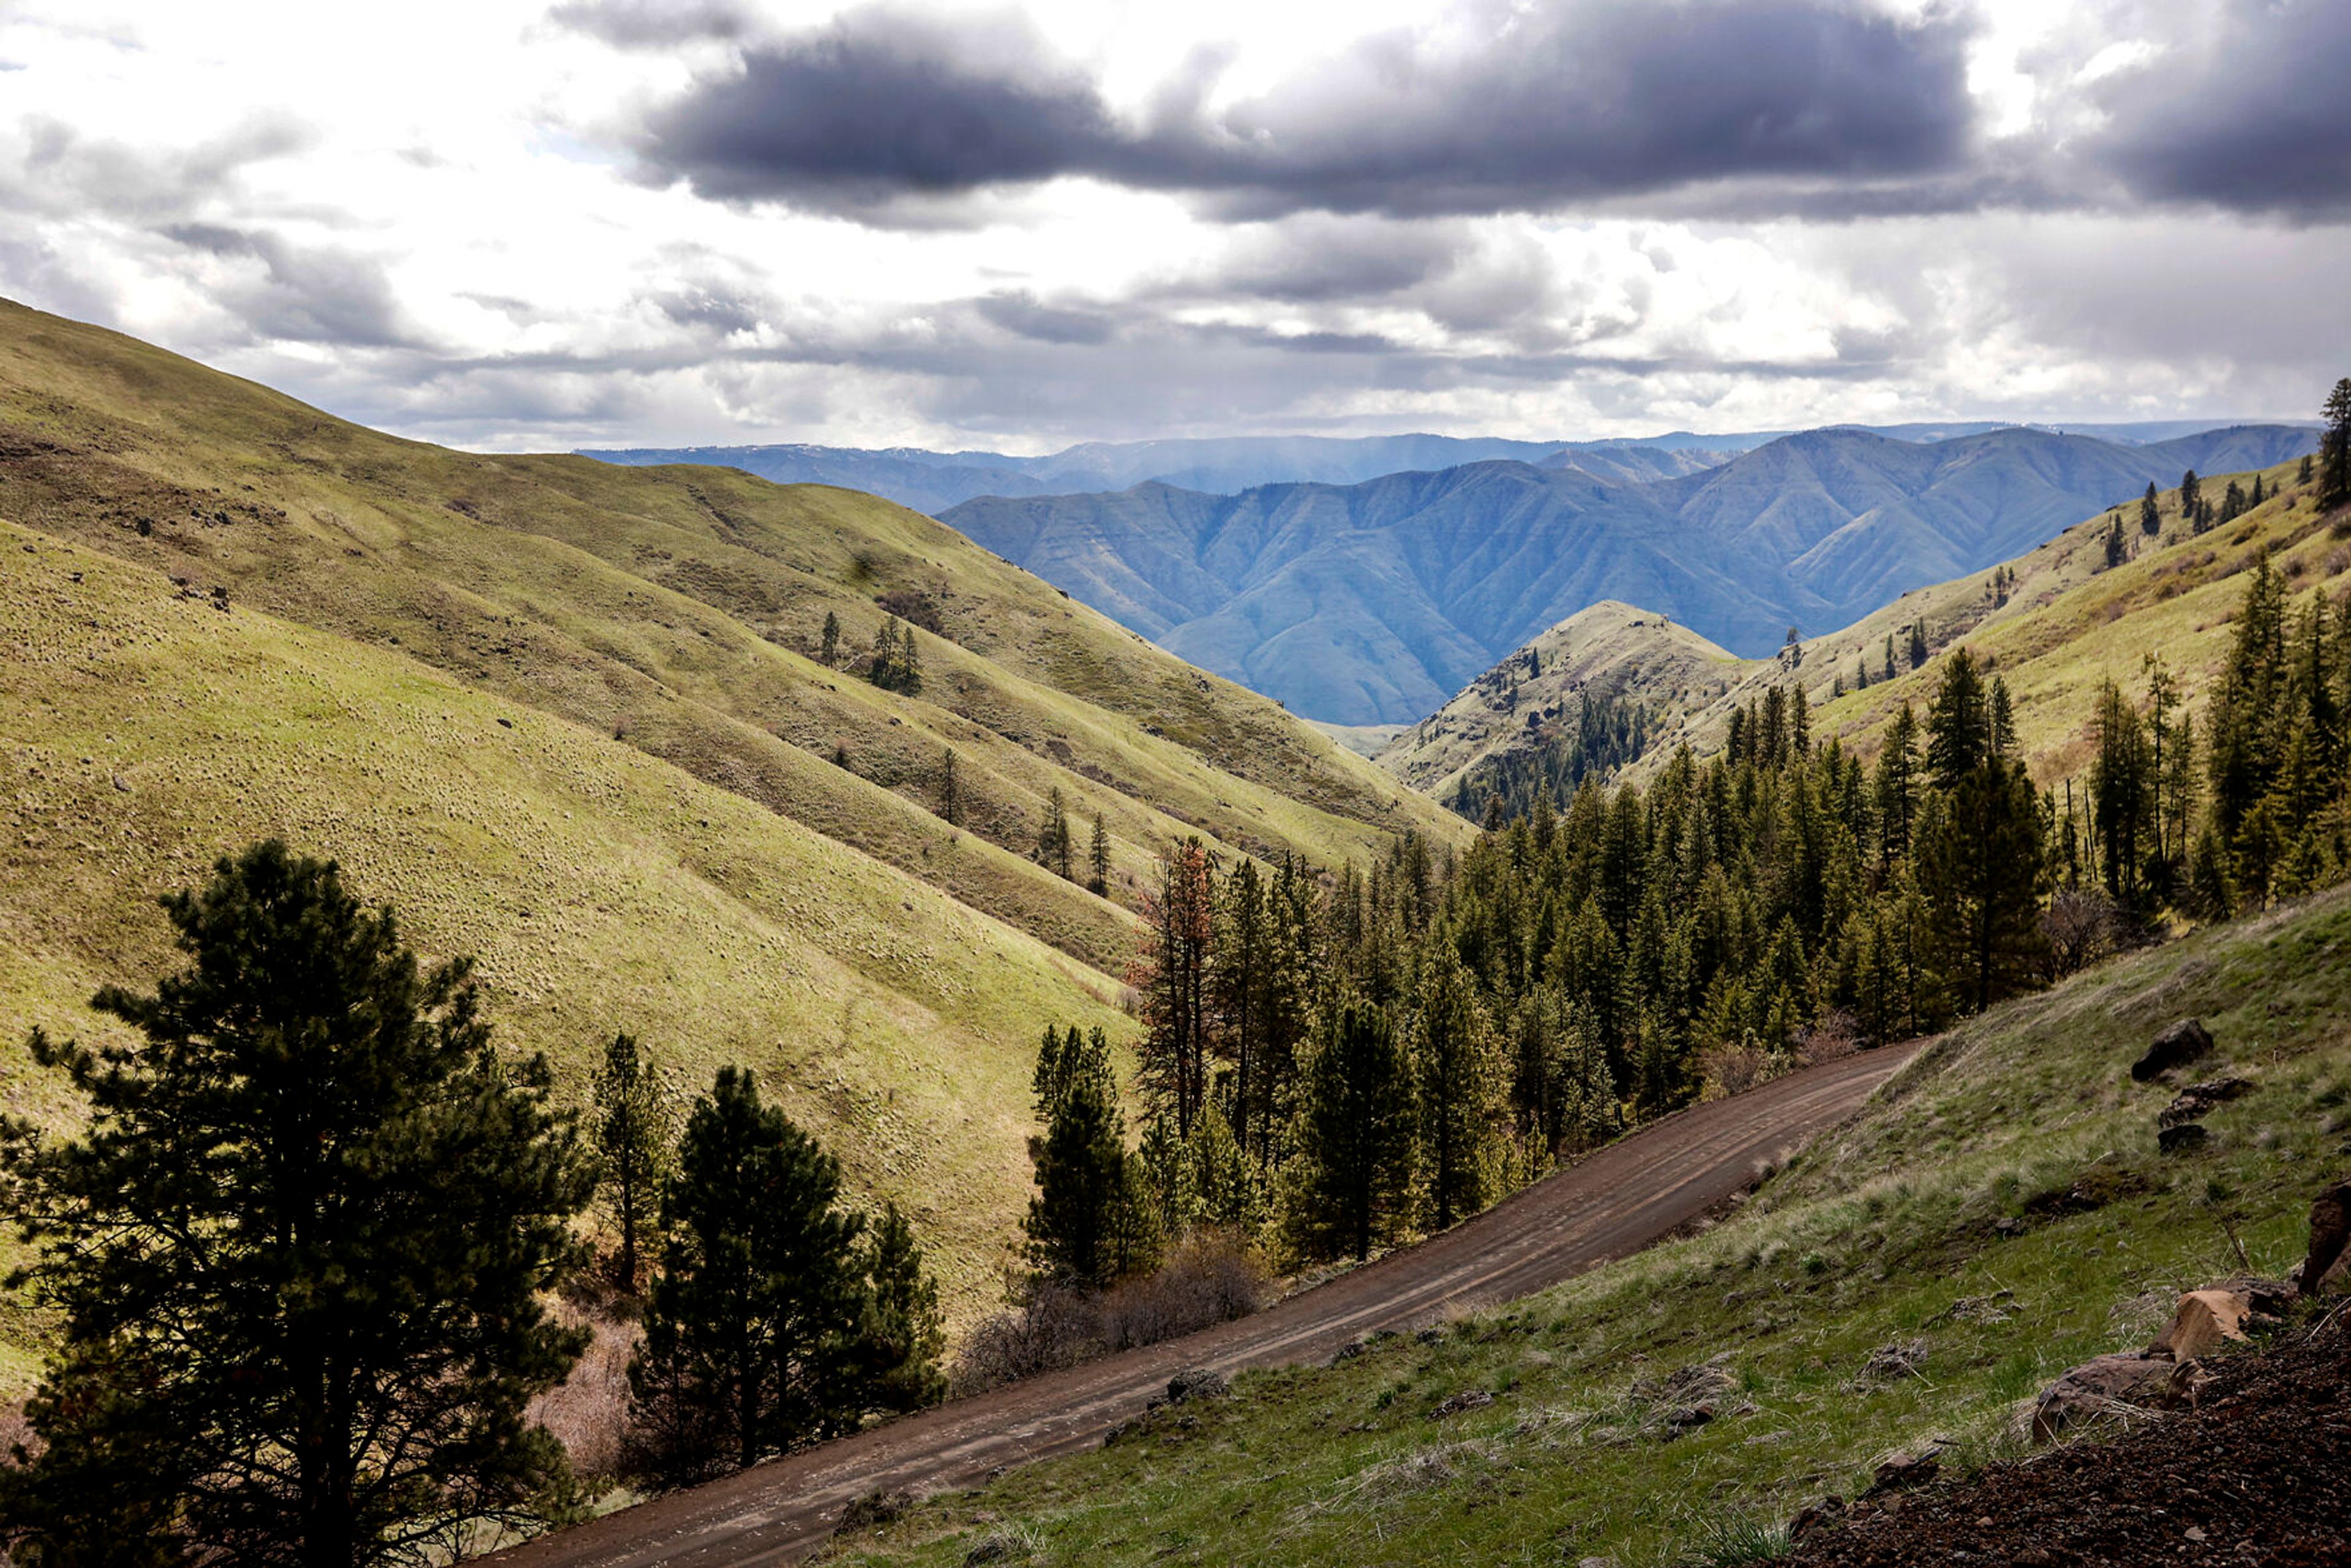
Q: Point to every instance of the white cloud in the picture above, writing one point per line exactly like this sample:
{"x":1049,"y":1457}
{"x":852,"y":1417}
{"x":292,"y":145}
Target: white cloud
{"x":426,"y":217}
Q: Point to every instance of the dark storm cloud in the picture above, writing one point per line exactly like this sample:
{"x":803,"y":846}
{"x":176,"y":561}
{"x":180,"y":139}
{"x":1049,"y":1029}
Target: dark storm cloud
{"x":1571,"y":102}
{"x":651,"y":24}
{"x":2259,"y":122}
{"x":297,"y":293}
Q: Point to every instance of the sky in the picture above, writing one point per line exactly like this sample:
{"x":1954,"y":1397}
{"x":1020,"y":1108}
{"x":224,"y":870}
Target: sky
{"x":514,"y":224}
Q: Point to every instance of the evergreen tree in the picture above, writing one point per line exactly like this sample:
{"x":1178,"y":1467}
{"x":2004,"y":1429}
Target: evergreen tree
{"x":1918,"y":653}
{"x":1053,"y":840}
{"x":950,"y":791}
{"x":1170,"y":979}
{"x":1959,"y":734}
{"x":828,"y":648}
{"x":1890,"y":656}
{"x":2334,"y":449}
{"x":1082,"y":1225}
{"x":2191,"y":494}
{"x":2116,"y":552}
{"x":2150,"y":515}
{"x":1355,"y":1135}
{"x":1098,"y":861}
{"x":2122,"y":789}
{"x":299,"y":1255}
{"x":1981,"y":849}
{"x":635,"y":1123}
{"x":1458,"y":1093}
{"x":1896,"y":788}
{"x":751,"y":1343}
{"x":901,"y":1337}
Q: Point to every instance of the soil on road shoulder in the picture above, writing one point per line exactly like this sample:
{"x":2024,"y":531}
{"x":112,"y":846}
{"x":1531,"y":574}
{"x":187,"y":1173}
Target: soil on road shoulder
{"x":1635,"y":1192}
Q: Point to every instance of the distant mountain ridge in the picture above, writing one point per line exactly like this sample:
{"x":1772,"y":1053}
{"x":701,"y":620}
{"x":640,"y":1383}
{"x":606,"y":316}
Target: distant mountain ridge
{"x":932,"y":481}
{"x":1374,"y":602}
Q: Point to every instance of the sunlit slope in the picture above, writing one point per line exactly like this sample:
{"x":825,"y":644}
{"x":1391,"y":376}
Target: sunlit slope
{"x":144,"y":732}
{"x":676,"y":609}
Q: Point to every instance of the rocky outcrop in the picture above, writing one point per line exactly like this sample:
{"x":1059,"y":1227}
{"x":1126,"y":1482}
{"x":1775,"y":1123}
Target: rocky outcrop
{"x":1198,"y":1383}
{"x":2180,"y":1043}
{"x":2205,"y":1318}
{"x":2327,"y":1269}
{"x":2132,"y":1381}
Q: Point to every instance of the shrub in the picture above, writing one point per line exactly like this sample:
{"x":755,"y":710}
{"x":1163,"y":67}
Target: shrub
{"x":1210,"y":1278}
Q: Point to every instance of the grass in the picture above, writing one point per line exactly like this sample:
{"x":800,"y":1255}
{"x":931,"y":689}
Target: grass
{"x":675,"y":608}
{"x":1892,"y":1232}
{"x":143,"y":733}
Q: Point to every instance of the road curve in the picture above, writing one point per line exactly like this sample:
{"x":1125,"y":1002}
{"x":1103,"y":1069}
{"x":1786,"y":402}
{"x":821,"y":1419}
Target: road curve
{"x":1635,"y":1192}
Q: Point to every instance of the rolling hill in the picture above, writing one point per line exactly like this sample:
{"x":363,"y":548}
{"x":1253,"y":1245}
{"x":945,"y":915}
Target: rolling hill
{"x":1374,"y":602}
{"x":573,"y":717}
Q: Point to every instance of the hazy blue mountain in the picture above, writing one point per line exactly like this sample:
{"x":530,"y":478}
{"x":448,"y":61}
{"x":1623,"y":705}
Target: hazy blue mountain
{"x":933,"y":481}
{"x":1373,"y":602}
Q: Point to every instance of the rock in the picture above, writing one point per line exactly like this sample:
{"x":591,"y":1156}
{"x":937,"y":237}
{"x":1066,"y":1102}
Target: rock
{"x":1688,"y":1418}
{"x":1454,"y":1405}
{"x":2330,"y":1237}
{"x":1904,"y":1472}
{"x":2179,"y":1044}
{"x":1198,"y":1383}
{"x":1892,"y":1362}
{"x":1830,"y":1510}
{"x":2198,"y":1100}
{"x":880,"y":1506}
{"x":2202,"y":1320}
{"x":1348,"y":1351}
{"x":2184,"y":1139}
{"x":2133,"y":1380}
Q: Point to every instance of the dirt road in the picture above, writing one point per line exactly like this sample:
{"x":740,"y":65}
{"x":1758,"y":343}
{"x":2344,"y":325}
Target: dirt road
{"x":1627,"y":1195}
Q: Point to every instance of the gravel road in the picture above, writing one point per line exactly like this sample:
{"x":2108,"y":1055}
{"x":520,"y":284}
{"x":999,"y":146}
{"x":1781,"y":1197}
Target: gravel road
{"x":1627,"y":1195}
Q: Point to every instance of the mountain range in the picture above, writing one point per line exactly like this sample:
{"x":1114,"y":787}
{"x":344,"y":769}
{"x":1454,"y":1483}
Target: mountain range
{"x":1374,"y":602}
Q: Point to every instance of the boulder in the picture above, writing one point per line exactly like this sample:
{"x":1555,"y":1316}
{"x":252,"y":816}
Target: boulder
{"x":2330,"y":1237}
{"x":1198,"y":1383}
{"x":2198,"y":1100}
{"x":1904,"y":1472}
{"x":2205,"y":1318}
{"x":1688,"y":1418}
{"x":2180,"y":1043}
{"x":2132,"y":1381}
{"x":2184,"y":1139}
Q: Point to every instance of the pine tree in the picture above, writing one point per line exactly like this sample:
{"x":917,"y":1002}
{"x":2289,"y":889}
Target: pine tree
{"x":901,"y":1337}
{"x":2116,"y":552}
{"x":1890,"y":656}
{"x":950,"y":791}
{"x":1918,"y":651}
{"x":634,"y":1125}
{"x":1355,"y":1133}
{"x":1237,"y":989}
{"x":1170,"y":979}
{"x":1960,"y":737}
{"x":1053,"y":840}
{"x":751,"y":1327}
{"x":1082,"y":1224}
{"x":299,"y":1256}
{"x":1098,"y":861}
{"x":1458,"y":1092}
{"x":2122,"y":791}
{"x":1981,"y":850}
{"x":2334,"y":449}
{"x":2191,"y":494}
{"x":828,"y":649}
{"x":1895,"y":789}
{"x":2151,"y":514}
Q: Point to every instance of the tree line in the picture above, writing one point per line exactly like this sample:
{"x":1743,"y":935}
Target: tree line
{"x":301,"y":1258}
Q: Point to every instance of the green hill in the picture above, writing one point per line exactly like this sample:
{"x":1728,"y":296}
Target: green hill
{"x":567,"y":717}
{"x":1998,"y":1213}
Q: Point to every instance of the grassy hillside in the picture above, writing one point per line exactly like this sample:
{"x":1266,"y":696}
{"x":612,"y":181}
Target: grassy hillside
{"x":1610,"y":647}
{"x":2065,"y":622}
{"x":144,"y":732}
{"x":676,"y":609}
{"x":1998,"y":1212}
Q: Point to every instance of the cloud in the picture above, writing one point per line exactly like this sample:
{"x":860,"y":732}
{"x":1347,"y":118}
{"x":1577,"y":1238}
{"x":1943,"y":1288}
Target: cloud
{"x":50,"y":167}
{"x":2257,"y":118}
{"x":651,"y":24}
{"x":1509,"y":109}
{"x":289,"y":293}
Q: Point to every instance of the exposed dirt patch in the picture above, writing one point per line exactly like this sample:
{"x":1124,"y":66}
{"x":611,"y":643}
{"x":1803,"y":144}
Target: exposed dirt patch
{"x":2255,"y":1475}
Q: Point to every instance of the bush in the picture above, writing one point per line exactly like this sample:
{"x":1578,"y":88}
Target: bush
{"x":2082,"y":926}
{"x":1208,"y":1279}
